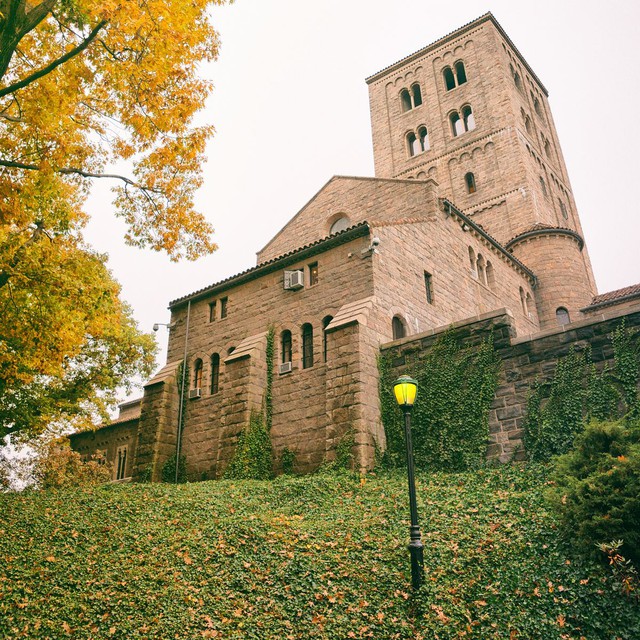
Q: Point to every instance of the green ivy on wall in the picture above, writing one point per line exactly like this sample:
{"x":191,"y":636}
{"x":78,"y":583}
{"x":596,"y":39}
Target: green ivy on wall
{"x":557,"y":408}
{"x":253,"y":456}
{"x":450,"y":420}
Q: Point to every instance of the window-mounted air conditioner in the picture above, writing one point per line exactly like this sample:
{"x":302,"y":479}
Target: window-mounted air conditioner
{"x":285,"y":367}
{"x":294,"y":280}
{"x":195,"y":393}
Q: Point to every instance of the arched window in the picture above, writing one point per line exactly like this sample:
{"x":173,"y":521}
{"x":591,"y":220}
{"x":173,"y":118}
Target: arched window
{"x":562,"y":316}
{"x":340,"y":224}
{"x":517,"y":81}
{"x":412,"y":144}
{"x":563,"y":209}
{"x":523,"y":301}
{"x":449,"y":80}
{"x":307,"y":346}
{"x":215,"y":373}
{"x":469,"y":120}
{"x":491,"y":278}
{"x":527,"y":124}
{"x":543,"y":186}
{"x":480,"y":266}
{"x":529,"y":305}
{"x":461,"y":74}
{"x":197,"y":374}
{"x":472,"y":262}
{"x":397,"y":328}
{"x":405,"y":100}
{"x":285,"y":346}
{"x":547,"y":149}
{"x":423,"y":138}
{"x":457,"y":125}
{"x":416,"y":94}
{"x":470,"y":181}
{"x":326,"y":321}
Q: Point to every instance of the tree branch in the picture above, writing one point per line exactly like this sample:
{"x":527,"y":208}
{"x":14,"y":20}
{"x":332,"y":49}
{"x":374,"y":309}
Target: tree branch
{"x":56,"y":63}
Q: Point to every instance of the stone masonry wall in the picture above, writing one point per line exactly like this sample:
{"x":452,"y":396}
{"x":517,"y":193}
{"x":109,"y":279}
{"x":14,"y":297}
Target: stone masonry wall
{"x":523,"y":361}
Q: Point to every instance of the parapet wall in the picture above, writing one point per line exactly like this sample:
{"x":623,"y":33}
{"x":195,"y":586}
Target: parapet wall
{"x":524,"y":360}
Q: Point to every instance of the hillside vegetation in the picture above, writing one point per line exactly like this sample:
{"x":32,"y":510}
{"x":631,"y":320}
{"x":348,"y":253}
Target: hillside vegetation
{"x":321,"y":556}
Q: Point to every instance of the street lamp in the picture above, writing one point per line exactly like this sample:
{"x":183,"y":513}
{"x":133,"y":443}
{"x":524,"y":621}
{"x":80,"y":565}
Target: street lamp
{"x":405,"y":389}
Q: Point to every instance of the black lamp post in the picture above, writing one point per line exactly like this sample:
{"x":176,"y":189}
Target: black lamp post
{"x":405,"y":389}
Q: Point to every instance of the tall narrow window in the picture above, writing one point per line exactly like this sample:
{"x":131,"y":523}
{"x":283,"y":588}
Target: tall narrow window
{"x":423,"y":136}
{"x":307,"y":346}
{"x":470,"y":181}
{"x":457,"y":125}
{"x":428,"y":286}
{"x":405,"y":100}
{"x":491,"y":279}
{"x":461,"y":74}
{"x":325,"y":323}
{"x":480,"y":266}
{"x":517,"y":81}
{"x":523,"y":301}
{"x":449,"y":80}
{"x":285,"y":346}
{"x":472,"y":262}
{"x":527,"y":124}
{"x":563,"y":209}
{"x":416,"y":95}
{"x":411,"y":143}
{"x":215,"y":373}
{"x":313,"y":274}
{"x":529,"y":305}
{"x":121,"y":463}
{"x":562,"y":316}
{"x":397,"y":328}
{"x":212,"y":311}
{"x":547,"y":149}
{"x":197,"y":374}
{"x":223,"y":307}
{"x":543,"y":186}
{"x":469,"y":120}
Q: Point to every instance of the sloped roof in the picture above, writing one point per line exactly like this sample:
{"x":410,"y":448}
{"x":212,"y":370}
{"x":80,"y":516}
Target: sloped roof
{"x":539,"y":229}
{"x":614,"y":297}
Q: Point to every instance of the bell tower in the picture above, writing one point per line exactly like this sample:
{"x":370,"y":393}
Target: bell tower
{"x":469,"y":112}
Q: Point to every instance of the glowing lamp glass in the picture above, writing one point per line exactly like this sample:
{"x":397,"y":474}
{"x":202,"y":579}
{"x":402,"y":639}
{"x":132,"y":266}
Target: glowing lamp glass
{"x":405,"y":390}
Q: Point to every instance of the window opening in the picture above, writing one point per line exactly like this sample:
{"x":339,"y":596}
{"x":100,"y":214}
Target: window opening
{"x":543,"y":186}
{"x":562,"y":316}
{"x":517,"y":81}
{"x":461,"y":74}
{"x":307,"y":346}
{"x":563,"y":209}
{"x":536,"y":106}
{"x":397,"y":328}
{"x":428,"y":285}
{"x":411,"y":144}
{"x":313,"y":274}
{"x":417,"y":95}
{"x":529,"y":306}
{"x":480,"y":266}
{"x":121,"y":463}
{"x":285,"y":346}
{"x":472,"y":262}
{"x":469,"y":120}
{"x":523,"y":301}
{"x":547,"y":149}
{"x":212,"y":311}
{"x":325,"y":323}
{"x":491,"y":279}
{"x":423,"y":136}
{"x":405,"y":100}
{"x":470,"y":181}
{"x":449,"y":80}
{"x":457,"y":125}
{"x":223,"y":307}
{"x":527,"y":124}
{"x":197,"y":374}
{"x":215,"y":373}
{"x":340,"y":224}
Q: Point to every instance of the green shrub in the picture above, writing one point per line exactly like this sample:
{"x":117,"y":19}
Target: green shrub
{"x":597,"y":487}
{"x":252,"y":459}
{"x":288,"y":459}
{"x":169,"y":469}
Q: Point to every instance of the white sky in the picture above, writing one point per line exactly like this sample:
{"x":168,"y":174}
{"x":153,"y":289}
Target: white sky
{"x":291,"y":109}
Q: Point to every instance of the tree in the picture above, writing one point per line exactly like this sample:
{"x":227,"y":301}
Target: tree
{"x":83,"y":85}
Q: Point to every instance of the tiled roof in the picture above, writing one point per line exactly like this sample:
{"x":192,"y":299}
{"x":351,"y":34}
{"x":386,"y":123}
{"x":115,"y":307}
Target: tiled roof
{"x":613,"y":297}
{"x":356,"y":231}
{"x":539,"y":228}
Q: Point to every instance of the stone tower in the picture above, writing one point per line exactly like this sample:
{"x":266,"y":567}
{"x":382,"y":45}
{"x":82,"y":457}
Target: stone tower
{"x":469,"y":112}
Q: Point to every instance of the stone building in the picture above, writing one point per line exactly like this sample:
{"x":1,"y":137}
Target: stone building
{"x":471,"y":211}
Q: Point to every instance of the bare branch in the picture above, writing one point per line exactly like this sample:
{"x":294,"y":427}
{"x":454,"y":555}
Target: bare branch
{"x":56,"y":63}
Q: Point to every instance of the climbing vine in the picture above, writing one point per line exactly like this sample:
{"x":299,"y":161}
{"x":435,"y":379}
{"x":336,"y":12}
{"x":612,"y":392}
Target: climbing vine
{"x":557,"y":408}
{"x":450,"y":420}
{"x":253,"y":456}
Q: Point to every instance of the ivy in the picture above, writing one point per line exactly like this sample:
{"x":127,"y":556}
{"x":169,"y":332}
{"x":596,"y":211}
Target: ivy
{"x":169,"y":469}
{"x":450,"y":420}
{"x":557,"y":408}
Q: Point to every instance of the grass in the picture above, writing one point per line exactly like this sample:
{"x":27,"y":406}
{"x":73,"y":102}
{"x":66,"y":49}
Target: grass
{"x":321,"y":556}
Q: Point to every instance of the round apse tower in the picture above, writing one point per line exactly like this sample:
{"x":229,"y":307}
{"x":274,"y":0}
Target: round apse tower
{"x":556,"y":257}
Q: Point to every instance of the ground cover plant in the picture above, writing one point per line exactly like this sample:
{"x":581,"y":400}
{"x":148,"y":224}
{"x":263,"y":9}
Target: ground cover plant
{"x":321,"y":556}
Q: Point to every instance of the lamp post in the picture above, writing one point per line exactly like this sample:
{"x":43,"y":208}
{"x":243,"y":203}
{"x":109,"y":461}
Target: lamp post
{"x":405,"y":389}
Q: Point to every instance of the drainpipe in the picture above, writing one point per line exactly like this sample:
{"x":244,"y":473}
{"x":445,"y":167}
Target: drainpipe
{"x":182,"y":386}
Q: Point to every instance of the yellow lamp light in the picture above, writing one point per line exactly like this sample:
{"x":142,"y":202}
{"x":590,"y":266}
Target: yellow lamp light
{"x":405,"y":390}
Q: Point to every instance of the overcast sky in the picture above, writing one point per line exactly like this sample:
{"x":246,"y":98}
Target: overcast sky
{"x":291,"y":109}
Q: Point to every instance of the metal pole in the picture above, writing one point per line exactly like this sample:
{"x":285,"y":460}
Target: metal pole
{"x":181,"y":405}
{"x":416,"y":548}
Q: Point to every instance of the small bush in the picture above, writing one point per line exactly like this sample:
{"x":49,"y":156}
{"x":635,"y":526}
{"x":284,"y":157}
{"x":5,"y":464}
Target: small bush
{"x":60,"y":467}
{"x":597,"y":487}
{"x":288,"y":459}
{"x":169,"y":469}
{"x":252,"y":459}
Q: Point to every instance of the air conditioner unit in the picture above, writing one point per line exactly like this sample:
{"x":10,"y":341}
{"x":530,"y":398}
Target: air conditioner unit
{"x":294,"y":280}
{"x":285,"y":367}
{"x":195,"y":393}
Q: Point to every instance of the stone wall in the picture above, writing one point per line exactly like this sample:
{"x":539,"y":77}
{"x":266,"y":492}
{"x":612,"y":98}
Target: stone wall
{"x":524,"y":360}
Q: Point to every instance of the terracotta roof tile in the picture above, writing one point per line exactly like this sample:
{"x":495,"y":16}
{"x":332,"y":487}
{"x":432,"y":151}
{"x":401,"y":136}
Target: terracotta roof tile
{"x":615,"y":296}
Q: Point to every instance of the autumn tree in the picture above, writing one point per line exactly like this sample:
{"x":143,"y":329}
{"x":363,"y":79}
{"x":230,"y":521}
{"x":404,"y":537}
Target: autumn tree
{"x":86,"y":85}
